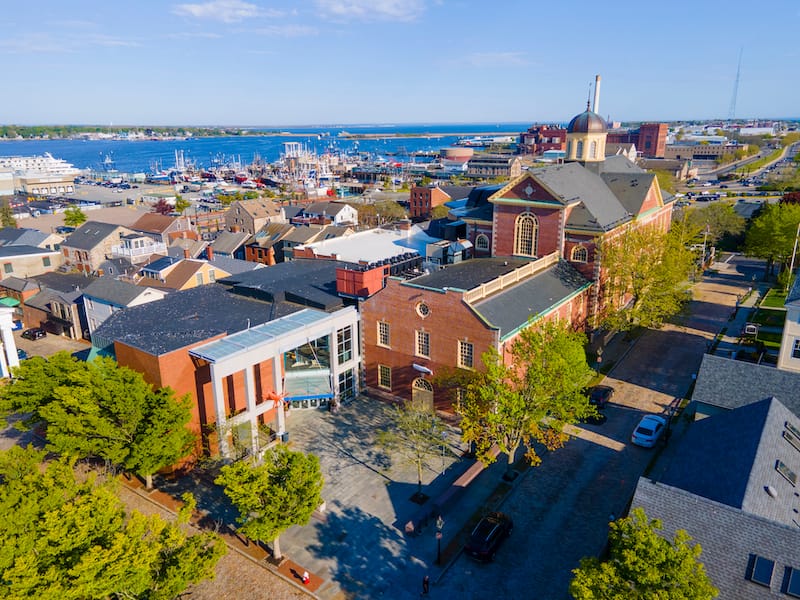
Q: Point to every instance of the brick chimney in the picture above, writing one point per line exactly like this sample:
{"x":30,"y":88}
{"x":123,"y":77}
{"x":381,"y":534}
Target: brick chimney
{"x":210,"y":253}
{"x":186,"y":253}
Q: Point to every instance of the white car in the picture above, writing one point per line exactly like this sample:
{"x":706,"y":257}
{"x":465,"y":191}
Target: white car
{"x":648,"y":431}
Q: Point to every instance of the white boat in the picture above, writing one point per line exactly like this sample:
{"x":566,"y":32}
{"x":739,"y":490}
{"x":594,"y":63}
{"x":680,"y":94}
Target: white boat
{"x":39,"y":165}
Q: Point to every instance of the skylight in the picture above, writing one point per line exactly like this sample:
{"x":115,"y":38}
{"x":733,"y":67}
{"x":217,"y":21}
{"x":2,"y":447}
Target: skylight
{"x":762,"y":570}
{"x":790,"y":475}
{"x":793,"y":584}
{"x":792,"y":439}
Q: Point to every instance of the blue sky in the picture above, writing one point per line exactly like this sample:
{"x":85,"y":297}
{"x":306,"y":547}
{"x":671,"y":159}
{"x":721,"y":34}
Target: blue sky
{"x":265,"y":62}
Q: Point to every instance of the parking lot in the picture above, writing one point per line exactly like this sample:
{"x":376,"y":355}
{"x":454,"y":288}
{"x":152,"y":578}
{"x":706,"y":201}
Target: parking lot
{"x":49,"y":345}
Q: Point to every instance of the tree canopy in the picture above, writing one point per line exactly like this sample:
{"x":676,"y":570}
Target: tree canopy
{"x":644,"y":277}
{"x":772,"y":233}
{"x":74,"y":217}
{"x":162,"y":207}
{"x":72,"y":539}
{"x":529,"y":397}
{"x":643,"y":565}
{"x":7,"y":214}
{"x":713,"y":221}
{"x":101,"y":409}
{"x":284,"y":489}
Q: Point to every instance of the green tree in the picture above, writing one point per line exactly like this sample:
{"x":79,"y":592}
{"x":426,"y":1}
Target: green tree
{"x":643,"y":565}
{"x":181,"y":204}
{"x":714,"y":221}
{"x":283,"y":490}
{"x":644,"y":277}
{"x":529,"y":397}
{"x":101,"y":409}
{"x":440,"y":212}
{"x":74,"y":217}
{"x":7,"y":214}
{"x":772,"y":233}
{"x":416,"y":433}
{"x":70,"y":539}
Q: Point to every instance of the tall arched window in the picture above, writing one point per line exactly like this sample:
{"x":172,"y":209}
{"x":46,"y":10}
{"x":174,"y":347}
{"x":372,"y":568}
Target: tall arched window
{"x":579,"y":150}
{"x":526,"y":234}
{"x":593,"y":150}
{"x":580,"y":254}
{"x":482,"y":242}
{"x":422,"y":384}
{"x":569,"y":149}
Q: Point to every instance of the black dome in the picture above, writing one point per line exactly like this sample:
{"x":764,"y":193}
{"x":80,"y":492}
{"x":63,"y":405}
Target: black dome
{"x":587,"y":122}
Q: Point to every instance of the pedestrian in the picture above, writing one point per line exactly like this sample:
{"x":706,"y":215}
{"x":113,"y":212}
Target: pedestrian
{"x":306,"y":578}
{"x":426,"y":582}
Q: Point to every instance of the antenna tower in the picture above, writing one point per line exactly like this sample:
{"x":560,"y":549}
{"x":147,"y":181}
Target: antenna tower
{"x":732,"y":109}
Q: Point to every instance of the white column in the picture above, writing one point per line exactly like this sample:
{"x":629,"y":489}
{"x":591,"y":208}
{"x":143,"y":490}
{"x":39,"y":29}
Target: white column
{"x":250,"y":396}
{"x":277,"y":380}
{"x":9,"y":346}
{"x":219,"y":410}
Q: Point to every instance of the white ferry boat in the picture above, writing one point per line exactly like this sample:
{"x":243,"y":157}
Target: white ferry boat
{"x":45,"y":164}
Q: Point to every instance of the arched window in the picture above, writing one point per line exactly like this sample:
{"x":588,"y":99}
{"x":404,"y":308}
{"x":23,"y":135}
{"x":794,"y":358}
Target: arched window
{"x":422,"y":385}
{"x":593,"y":150}
{"x":569,"y":149}
{"x":580,"y":254}
{"x":482,"y":242}
{"x":579,"y":149}
{"x":526,"y":234}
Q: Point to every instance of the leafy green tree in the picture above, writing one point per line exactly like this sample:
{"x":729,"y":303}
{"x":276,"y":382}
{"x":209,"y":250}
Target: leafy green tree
{"x":181,"y":204}
{"x":644,"y":277}
{"x":74,"y":217}
{"x":7,"y":214}
{"x":772,"y":233}
{"x":714,"y":221}
{"x":529,"y":397}
{"x":283,"y":490}
{"x":101,"y":409}
{"x":70,"y":539}
{"x":440,"y":212}
{"x":644,"y":565}
{"x":416,"y":433}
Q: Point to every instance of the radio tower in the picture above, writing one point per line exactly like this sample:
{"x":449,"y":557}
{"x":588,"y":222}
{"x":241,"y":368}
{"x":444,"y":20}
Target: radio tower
{"x":732,"y":110}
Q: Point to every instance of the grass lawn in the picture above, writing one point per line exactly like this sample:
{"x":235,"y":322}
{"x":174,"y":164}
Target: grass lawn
{"x":774,"y":299}
{"x":769,"y":317}
{"x":770,"y":339}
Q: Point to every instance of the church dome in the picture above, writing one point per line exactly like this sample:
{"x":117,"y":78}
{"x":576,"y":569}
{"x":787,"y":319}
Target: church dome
{"x":587,"y":122}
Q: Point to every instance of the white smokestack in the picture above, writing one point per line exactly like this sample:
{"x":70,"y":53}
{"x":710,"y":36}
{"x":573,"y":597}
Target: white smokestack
{"x":596,"y":106}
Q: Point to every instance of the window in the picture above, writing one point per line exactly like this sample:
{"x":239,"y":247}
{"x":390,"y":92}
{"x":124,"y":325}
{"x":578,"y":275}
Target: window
{"x":482,"y":242}
{"x":8,"y":267}
{"x":385,"y":377}
{"x":579,"y":149}
{"x":422,"y":384}
{"x":347,"y":387}
{"x":344,"y":344}
{"x":792,"y":439}
{"x":423,"y":344}
{"x":793,"y":582}
{"x":526,"y":235}
{"x":199,"y":278}
{"x":580,"y":254}
{"x":46,"y":261}
{"x":423,"y":310}
{"x":383,"y":334}
{"x":790,"y":475}
{"x":212,"y":276}
{"x":593,"y":149}
{"x":465,"y":354}
{"x":796,"y":349}
{"x":760,"y":570}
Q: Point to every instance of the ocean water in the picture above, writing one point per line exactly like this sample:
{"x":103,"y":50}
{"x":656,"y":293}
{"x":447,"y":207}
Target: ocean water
{"x":147,"y":155}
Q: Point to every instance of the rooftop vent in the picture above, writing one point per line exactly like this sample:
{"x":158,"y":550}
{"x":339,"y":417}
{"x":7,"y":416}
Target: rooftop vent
{"x":771,"y":491}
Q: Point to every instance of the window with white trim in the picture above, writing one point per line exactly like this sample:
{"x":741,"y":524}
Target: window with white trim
{"x":796,"y":349}
{"x":580,"y":254}
{"x":384,"y":338}
{"x":423,"y":344}
{"x":482,"y":242}
{"x":526,"y":234}
{"x":465,"y":354}
{"x":385,"y":377}
{"x":344,"y":344}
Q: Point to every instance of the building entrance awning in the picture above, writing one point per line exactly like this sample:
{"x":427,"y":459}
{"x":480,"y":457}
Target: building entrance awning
{"x":307,"y":384}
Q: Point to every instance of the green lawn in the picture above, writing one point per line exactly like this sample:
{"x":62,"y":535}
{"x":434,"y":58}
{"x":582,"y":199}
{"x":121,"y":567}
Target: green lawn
{"x":774,"y":299}
{"x":769,"y":317}
{"x":769,"y":338}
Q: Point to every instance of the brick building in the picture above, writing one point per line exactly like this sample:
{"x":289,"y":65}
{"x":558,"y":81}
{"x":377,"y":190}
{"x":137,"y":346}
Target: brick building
{"x":541,"y":138}
{"x":650,"y":139}
{"x":423,"y":199}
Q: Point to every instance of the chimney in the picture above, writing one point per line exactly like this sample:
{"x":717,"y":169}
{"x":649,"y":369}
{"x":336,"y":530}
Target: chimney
{"x":596,"y":105}
{"x":209,"y":253}
{"x":186,"y":253}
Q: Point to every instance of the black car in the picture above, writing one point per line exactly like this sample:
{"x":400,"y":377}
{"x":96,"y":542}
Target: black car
{"x":487,"y":536}
{"x":600,"y":395}
{"x":34,"y":333}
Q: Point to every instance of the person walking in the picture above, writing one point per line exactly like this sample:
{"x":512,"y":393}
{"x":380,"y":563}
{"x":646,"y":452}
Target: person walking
{"x":426,"y":582}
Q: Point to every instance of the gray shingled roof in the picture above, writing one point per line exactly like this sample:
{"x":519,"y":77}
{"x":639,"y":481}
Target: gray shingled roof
{"x":89,"y":235}
{"x":63,"y":282}
{"x":512,"y":307}
{"x":328,"y":208}
{"x":729,"y":384}
{"x":22,"y":236}
{"x":728,"y":537}
{"x":629,"y":188}
{"x":17,"y":284}
{"x":227,"y":242}
{"x":469,"y":274}
{"x":185,"y":318}
{"x":114,"y":291}
{"x":234,"y":266}
{"x":731,"y":457}
{"x":15,"y":251}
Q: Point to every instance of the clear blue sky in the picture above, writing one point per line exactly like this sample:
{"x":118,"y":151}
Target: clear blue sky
{"x":276,"y":62}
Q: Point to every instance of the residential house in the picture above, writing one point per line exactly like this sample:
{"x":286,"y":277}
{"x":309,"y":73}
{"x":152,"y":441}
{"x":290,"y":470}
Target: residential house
{"x":105,"y":296}
{"x":137,"y":248}
{"x":164,"y":228}
{"x":494,"y":166}
{"x":266,"y":246}
{"x":308,"y":234}
{"x":327,"y":213}
{"x":251,"y":215}
{"x":23,"y":236}
{"x":180,"y":274}
{"x":27,"y":261}
{"x":15,"y":291}
{"x":89,"y":245}
{"x":57,"y":307}
{"x":230,"y":244}
{"x":789,"y":357}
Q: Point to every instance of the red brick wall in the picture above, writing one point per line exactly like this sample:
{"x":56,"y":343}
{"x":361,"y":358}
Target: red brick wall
{"x":505,"y":221}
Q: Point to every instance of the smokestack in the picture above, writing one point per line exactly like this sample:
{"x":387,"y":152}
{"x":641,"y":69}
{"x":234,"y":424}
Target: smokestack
{"x":596,"y":105}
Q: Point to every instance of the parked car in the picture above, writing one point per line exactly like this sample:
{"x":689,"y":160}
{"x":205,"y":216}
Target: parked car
{"x":34,"y":333}
{"x":487,"y":536}
{"x":649,"y":430}
{"x":600,"y":395}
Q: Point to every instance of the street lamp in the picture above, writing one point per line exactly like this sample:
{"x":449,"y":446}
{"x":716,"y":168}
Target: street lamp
{"x":439,"y":527}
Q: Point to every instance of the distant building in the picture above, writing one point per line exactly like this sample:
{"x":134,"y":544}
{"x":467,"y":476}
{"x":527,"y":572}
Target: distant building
{"x":249,"y":216}
{"x":89,"y":245}
{"x":423,"y":199}
{"x":494,"y":166}
{"x":542,"y":138}
{"x":650,"y":139}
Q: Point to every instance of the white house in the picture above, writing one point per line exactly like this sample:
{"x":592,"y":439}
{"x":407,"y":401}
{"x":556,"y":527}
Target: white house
{"x":789,"y":357}
{"x":105,"y":296}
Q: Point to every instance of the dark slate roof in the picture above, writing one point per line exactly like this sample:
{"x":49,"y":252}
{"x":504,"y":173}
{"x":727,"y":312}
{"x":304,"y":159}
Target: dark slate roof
{"x":162,"y":263}
{"x":88,"y":235}
{"x":727,"y":536}
{"x":731,"y":457}
{"x":308,"y":282}
{"x":234,"y":266}
{"x":14,"y":251}
{"x":601,"y":210}
{"x":17,"y":284}
{"x":227,"y":242}
{"x":114,"y":267}
{"x":63,"y":282}
{"x":480,"y":195}
{"x":615,"y":164}
{"x":794,"y":293}
{"x":469,"y":274}
{"x":113,"y":291}
{"x":44,"y":299}
{"x":186,"y":318}
{"x":327,"y":208}
{"x":629,"y":188}
{"x":457,"y":192}
{"x":729,"y":384}
{"x":512,"y":307}
{"x":292,"y":210}
{"x":22,"y":236}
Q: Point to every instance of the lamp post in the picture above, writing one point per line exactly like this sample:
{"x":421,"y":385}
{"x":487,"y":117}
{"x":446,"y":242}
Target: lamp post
{"x":439,"y":527}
